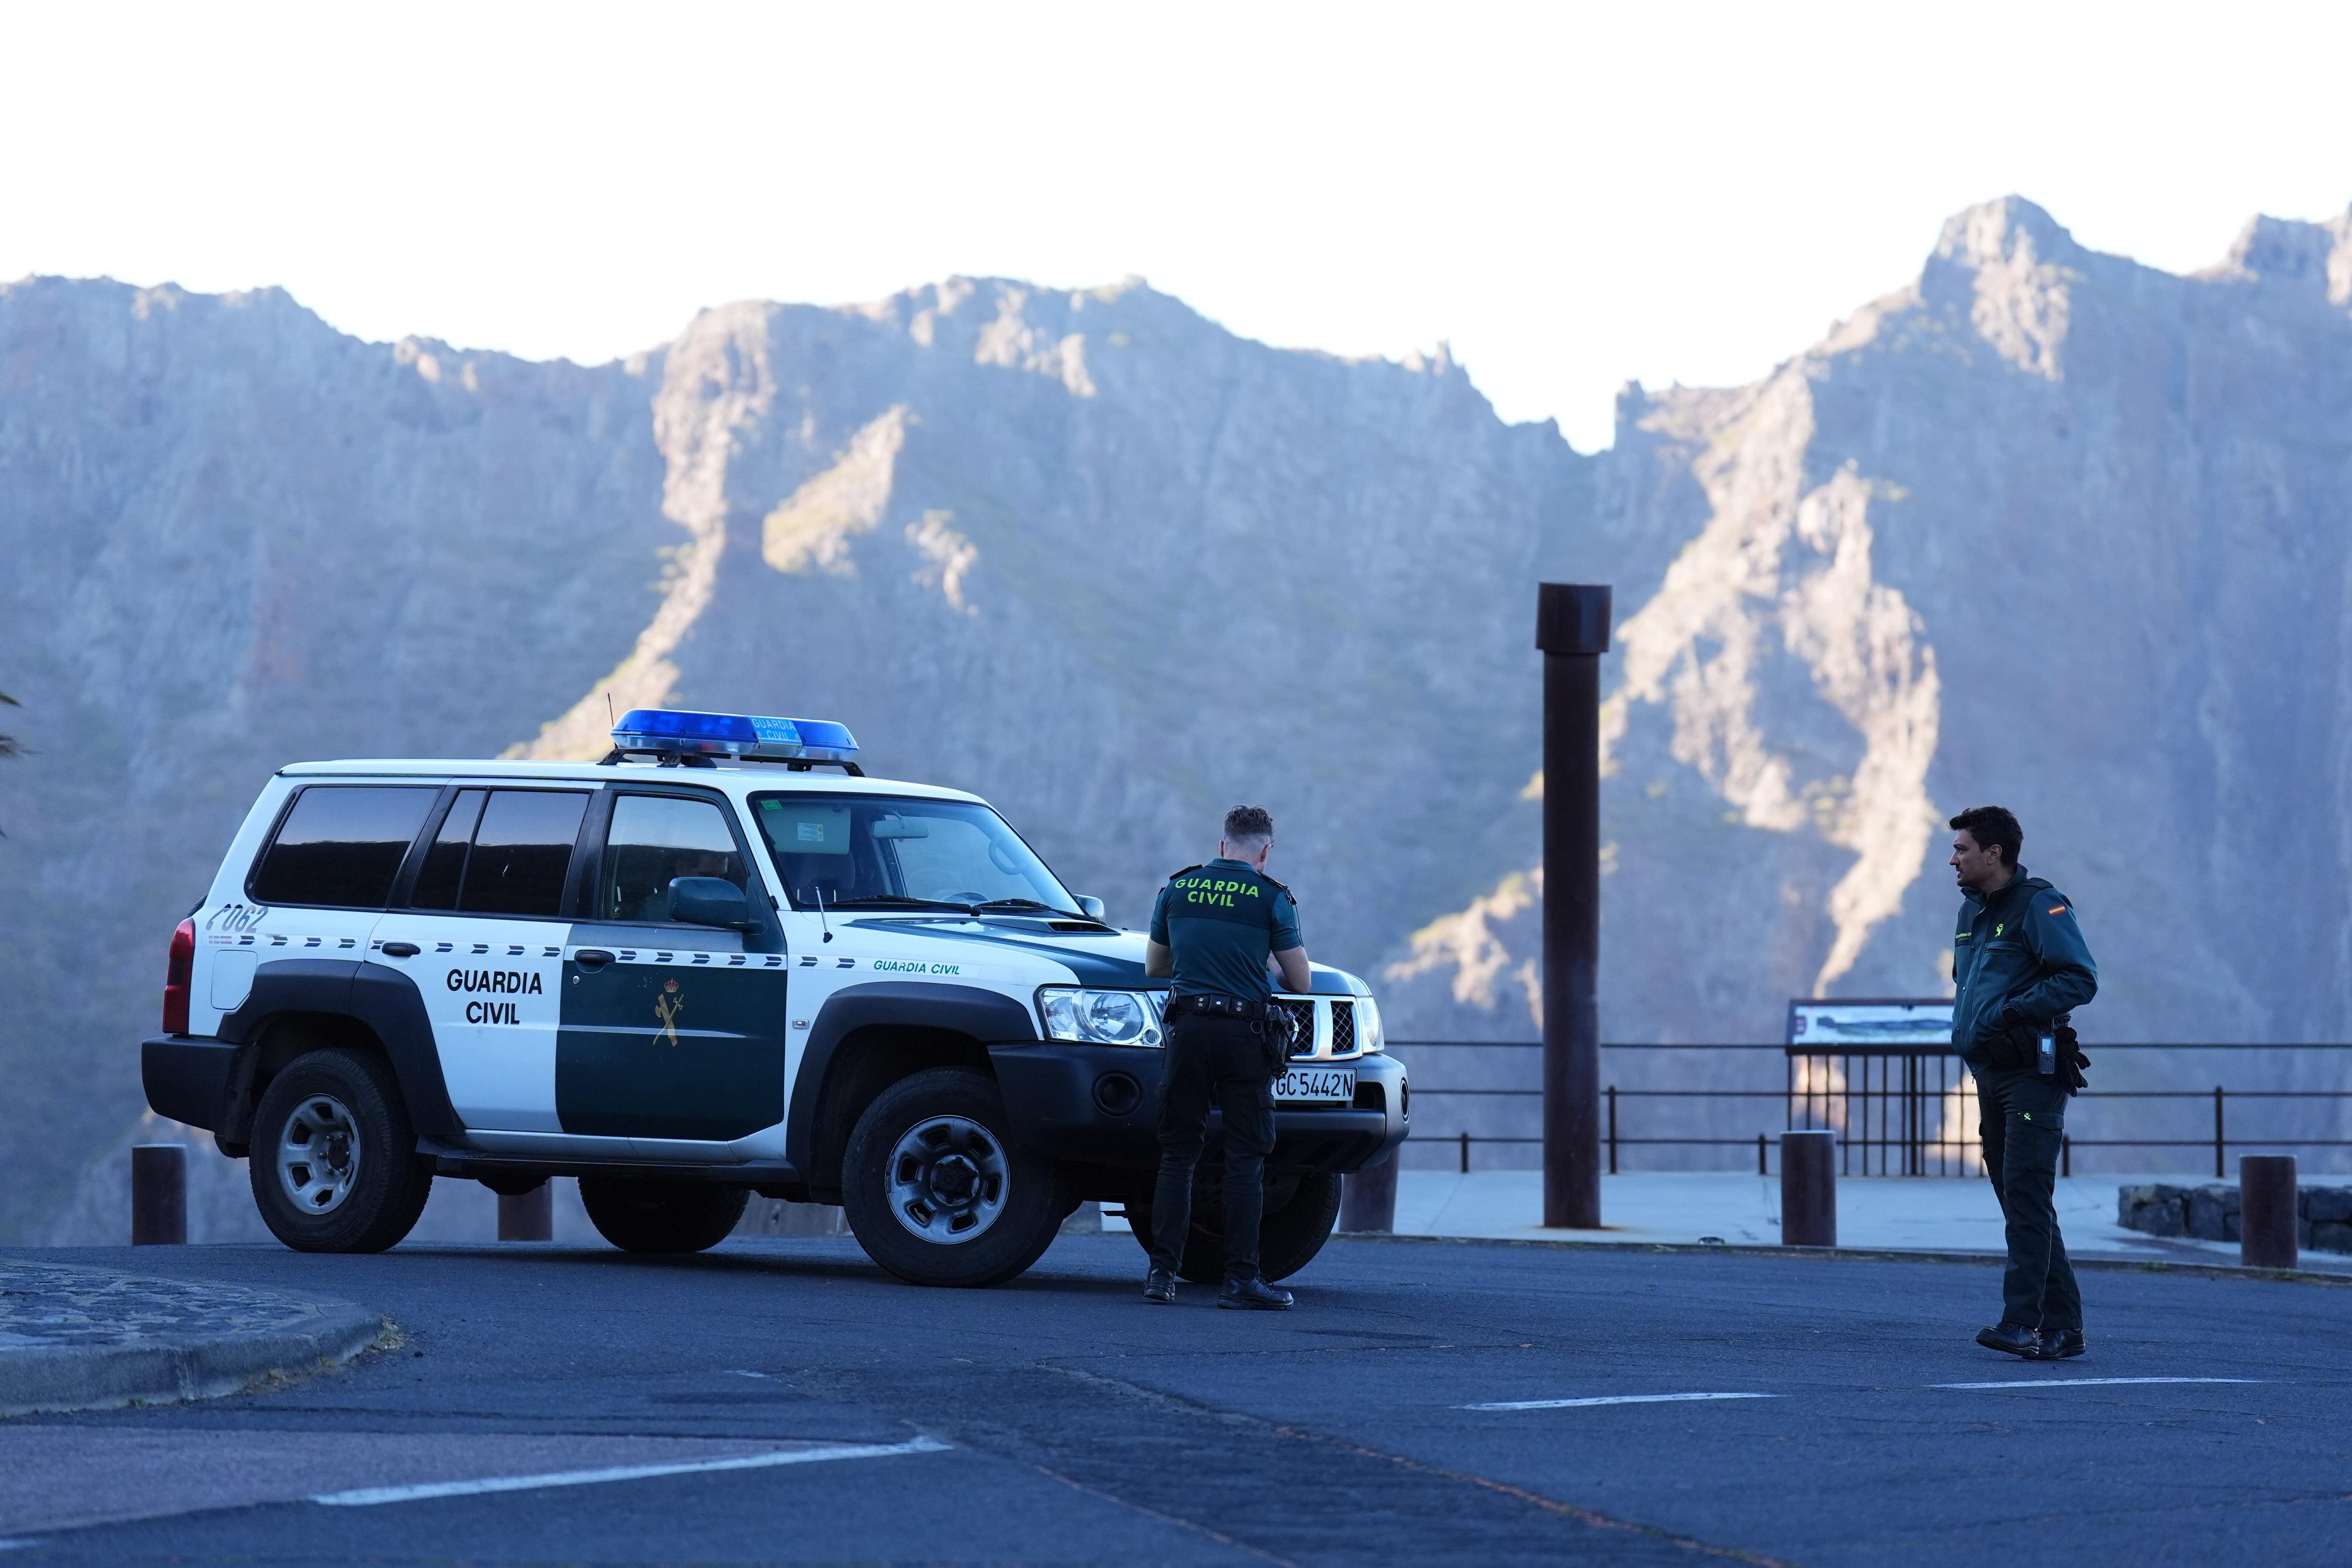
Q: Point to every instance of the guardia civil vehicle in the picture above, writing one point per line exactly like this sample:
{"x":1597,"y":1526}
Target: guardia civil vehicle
{"x":719,"y":962}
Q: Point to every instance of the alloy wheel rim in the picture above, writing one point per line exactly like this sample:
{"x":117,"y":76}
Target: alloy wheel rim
{"x":319,"y":1154}
{"x":948,"y":1179}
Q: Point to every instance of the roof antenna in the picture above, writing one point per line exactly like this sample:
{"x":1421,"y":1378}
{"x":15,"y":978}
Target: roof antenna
{"x":609,"y":718}
{"x":820,"y":912}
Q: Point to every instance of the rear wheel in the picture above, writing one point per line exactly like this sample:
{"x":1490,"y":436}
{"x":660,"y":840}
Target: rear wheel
{"x":940,"y":1192}
{"x":661,"y":1216}
{"x":1292,"y":1232}
{"x":333,"y":1161}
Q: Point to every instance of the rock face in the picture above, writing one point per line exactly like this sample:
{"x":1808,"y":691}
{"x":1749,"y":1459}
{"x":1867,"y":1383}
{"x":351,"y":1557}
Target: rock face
{"x":2047,"y":528}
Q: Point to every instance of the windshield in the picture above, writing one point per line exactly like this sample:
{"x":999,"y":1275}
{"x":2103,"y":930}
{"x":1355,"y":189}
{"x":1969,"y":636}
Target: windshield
{"x":862,"y":851}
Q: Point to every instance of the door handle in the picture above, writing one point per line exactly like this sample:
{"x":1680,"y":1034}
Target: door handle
{"x":400,"y":949}
{"x":592,"y":959}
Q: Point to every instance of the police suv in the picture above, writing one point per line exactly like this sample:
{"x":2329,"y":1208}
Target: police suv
{"x":696,"y":970}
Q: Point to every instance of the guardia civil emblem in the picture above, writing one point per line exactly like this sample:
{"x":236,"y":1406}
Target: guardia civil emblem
{"x":666,"y":1007}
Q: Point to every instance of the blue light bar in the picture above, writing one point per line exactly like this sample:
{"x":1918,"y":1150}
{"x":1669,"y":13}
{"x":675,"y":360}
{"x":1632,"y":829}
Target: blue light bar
{"x":733,"y":736}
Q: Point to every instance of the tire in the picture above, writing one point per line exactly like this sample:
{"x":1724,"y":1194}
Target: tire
{"x":638,"y":1215}
{"x":1288,"y":1236}
{"x":334,"y":1163}
{"x":940,"y":1192}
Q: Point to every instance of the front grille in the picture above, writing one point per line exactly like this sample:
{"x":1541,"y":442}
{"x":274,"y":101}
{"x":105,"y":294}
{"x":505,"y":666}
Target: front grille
{"x":1343,"y":1028}
{"x":1302,"y":1043}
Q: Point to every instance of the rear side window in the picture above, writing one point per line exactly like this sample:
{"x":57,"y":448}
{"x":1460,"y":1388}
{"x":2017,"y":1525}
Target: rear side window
{"x":520,"y":852}
{"x":444,"y":871}
{"x":654,"y":838}
{"x":340,"y":845}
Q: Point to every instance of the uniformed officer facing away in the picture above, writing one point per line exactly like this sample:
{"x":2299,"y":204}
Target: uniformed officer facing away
{"x":1218,"y":931}
{"x":2021,"y":968}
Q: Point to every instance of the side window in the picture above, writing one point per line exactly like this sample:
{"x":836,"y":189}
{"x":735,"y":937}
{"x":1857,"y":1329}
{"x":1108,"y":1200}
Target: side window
{"x":655,"y":837}
{"x":521,"y":850}
{"x":445,"y":859}
{"x":342,"y":846}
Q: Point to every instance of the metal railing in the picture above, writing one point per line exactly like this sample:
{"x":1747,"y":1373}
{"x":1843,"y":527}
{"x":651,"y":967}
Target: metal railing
{"x":1905,"y":1110}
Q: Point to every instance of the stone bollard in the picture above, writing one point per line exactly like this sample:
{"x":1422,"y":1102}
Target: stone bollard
{"x":528,"y":1216}
{"x":1367,"y":1197}
{"x":2266,"y":1212}
{"x":1809,"y":1189}
{"x":159,"y":1194}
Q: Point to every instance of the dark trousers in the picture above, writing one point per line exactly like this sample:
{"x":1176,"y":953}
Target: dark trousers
{"x":2023,"y":1119}
{"x":1219,"y":1061}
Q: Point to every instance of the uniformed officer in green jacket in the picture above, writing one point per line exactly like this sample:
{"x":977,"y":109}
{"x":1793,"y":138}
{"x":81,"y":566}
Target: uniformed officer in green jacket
{"x":2019,"y":968}
{"x":1218,"y":933}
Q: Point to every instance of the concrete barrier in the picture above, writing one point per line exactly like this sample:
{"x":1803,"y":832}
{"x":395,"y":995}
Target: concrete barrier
{"x":2266,"y":1212}
{"x":1809,"y":1189}
{"x":1367,"y":1197}
{"x":528,"y":1216}
{"x":159,"y":1194}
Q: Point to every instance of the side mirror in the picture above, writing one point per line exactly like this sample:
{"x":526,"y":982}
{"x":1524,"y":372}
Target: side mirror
{"x":1090,"y":907}
{"x":710,"y":902}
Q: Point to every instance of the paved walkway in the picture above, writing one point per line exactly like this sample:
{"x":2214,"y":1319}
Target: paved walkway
{"x":1901,"y":1214}
{"x":81,"y":1339}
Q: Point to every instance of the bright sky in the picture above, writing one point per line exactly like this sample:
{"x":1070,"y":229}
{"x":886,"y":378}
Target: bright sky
{"x":1573,"y":196}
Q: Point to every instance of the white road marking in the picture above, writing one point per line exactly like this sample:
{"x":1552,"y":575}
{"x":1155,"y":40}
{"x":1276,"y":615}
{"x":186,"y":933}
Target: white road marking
{"x":366,"y":1497}
{"x":1609,"y":1399}
{"x":2092,"y":1381}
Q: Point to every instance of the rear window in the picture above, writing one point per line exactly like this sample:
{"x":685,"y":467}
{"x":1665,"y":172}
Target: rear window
{"x":342,"y":846}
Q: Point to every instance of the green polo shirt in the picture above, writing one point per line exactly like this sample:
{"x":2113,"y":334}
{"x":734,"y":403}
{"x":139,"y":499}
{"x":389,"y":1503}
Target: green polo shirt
{"x":1222,"y":921}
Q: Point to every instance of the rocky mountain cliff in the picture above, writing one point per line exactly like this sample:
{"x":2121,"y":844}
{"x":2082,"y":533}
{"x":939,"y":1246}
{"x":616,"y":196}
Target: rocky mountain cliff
{"x":2047,"y":527}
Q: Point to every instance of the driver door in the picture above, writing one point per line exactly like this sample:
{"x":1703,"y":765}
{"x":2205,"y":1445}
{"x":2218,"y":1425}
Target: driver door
{"x":671,"y":1033}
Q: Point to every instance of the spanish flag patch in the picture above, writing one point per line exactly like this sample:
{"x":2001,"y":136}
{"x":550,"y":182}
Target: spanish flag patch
{"x":2058,"y":910}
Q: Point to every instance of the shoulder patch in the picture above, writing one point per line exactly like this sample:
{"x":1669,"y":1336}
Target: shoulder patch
{"x":2060,"y":909}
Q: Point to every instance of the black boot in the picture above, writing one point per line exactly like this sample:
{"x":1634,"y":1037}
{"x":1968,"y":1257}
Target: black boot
{"x":1161,"y":1287}
{"x":1254,"y":1293}
{"x":2062,"y":1344}
{"x":2014,"y":1338}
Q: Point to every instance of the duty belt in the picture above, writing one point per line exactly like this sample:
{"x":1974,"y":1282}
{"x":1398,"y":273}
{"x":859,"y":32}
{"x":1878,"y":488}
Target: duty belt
{"x":1216,"y":1003}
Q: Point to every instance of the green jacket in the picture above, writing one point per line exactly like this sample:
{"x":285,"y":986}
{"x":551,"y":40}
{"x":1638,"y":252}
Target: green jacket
{"x":2018,"y":956}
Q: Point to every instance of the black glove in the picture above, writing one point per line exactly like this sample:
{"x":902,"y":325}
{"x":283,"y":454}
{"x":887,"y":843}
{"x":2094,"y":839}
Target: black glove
{"x":2071,"y":1060}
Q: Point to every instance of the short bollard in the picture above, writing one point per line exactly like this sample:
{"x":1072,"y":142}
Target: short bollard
{"x":528,"y":1216}
{"x":1809,"y":1189}
{"x":2266,"y":1212}
{"x":1368,"y":1198}
{"x":159,"y":1194}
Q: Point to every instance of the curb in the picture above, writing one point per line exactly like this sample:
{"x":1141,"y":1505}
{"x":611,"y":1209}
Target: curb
{"x":170,"y":1371}
{"x":1869,"y":1254}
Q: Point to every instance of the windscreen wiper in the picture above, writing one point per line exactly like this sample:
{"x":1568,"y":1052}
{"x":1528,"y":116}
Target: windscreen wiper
{"x":1014,"y":906}
{"x":901,"y":898}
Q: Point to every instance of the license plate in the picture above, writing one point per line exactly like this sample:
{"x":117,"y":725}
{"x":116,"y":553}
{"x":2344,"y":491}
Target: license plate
{"x":1317,"y":1083}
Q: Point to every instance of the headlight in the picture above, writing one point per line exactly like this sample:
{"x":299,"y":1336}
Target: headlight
{"x":1368,"y":1037}
{"x":1103,"y":1018}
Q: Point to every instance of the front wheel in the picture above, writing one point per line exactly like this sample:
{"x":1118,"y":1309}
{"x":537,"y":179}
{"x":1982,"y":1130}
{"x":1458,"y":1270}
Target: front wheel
{"x":1292,"y":1232}
{"x":661,"y":1216}
{"x":940,"y":1192}
{"x":333,"y":1161}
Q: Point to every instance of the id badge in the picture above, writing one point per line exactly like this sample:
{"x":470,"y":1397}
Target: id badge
{"x":2045,"y":1055}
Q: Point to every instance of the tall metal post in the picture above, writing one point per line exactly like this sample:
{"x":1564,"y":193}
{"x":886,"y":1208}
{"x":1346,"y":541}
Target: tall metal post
{"x":1572,"y":633}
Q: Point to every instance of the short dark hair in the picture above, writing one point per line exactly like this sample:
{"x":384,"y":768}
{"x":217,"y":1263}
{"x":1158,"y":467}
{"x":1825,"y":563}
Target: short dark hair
{"x":1249,"y":822}
{"x":1993,"y":827}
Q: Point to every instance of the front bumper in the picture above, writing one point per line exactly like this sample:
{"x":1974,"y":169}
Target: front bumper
{"x":1099,"y":1105}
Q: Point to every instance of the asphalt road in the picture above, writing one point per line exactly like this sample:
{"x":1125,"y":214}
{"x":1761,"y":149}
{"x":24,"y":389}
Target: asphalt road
{"x":794,"y":1405}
